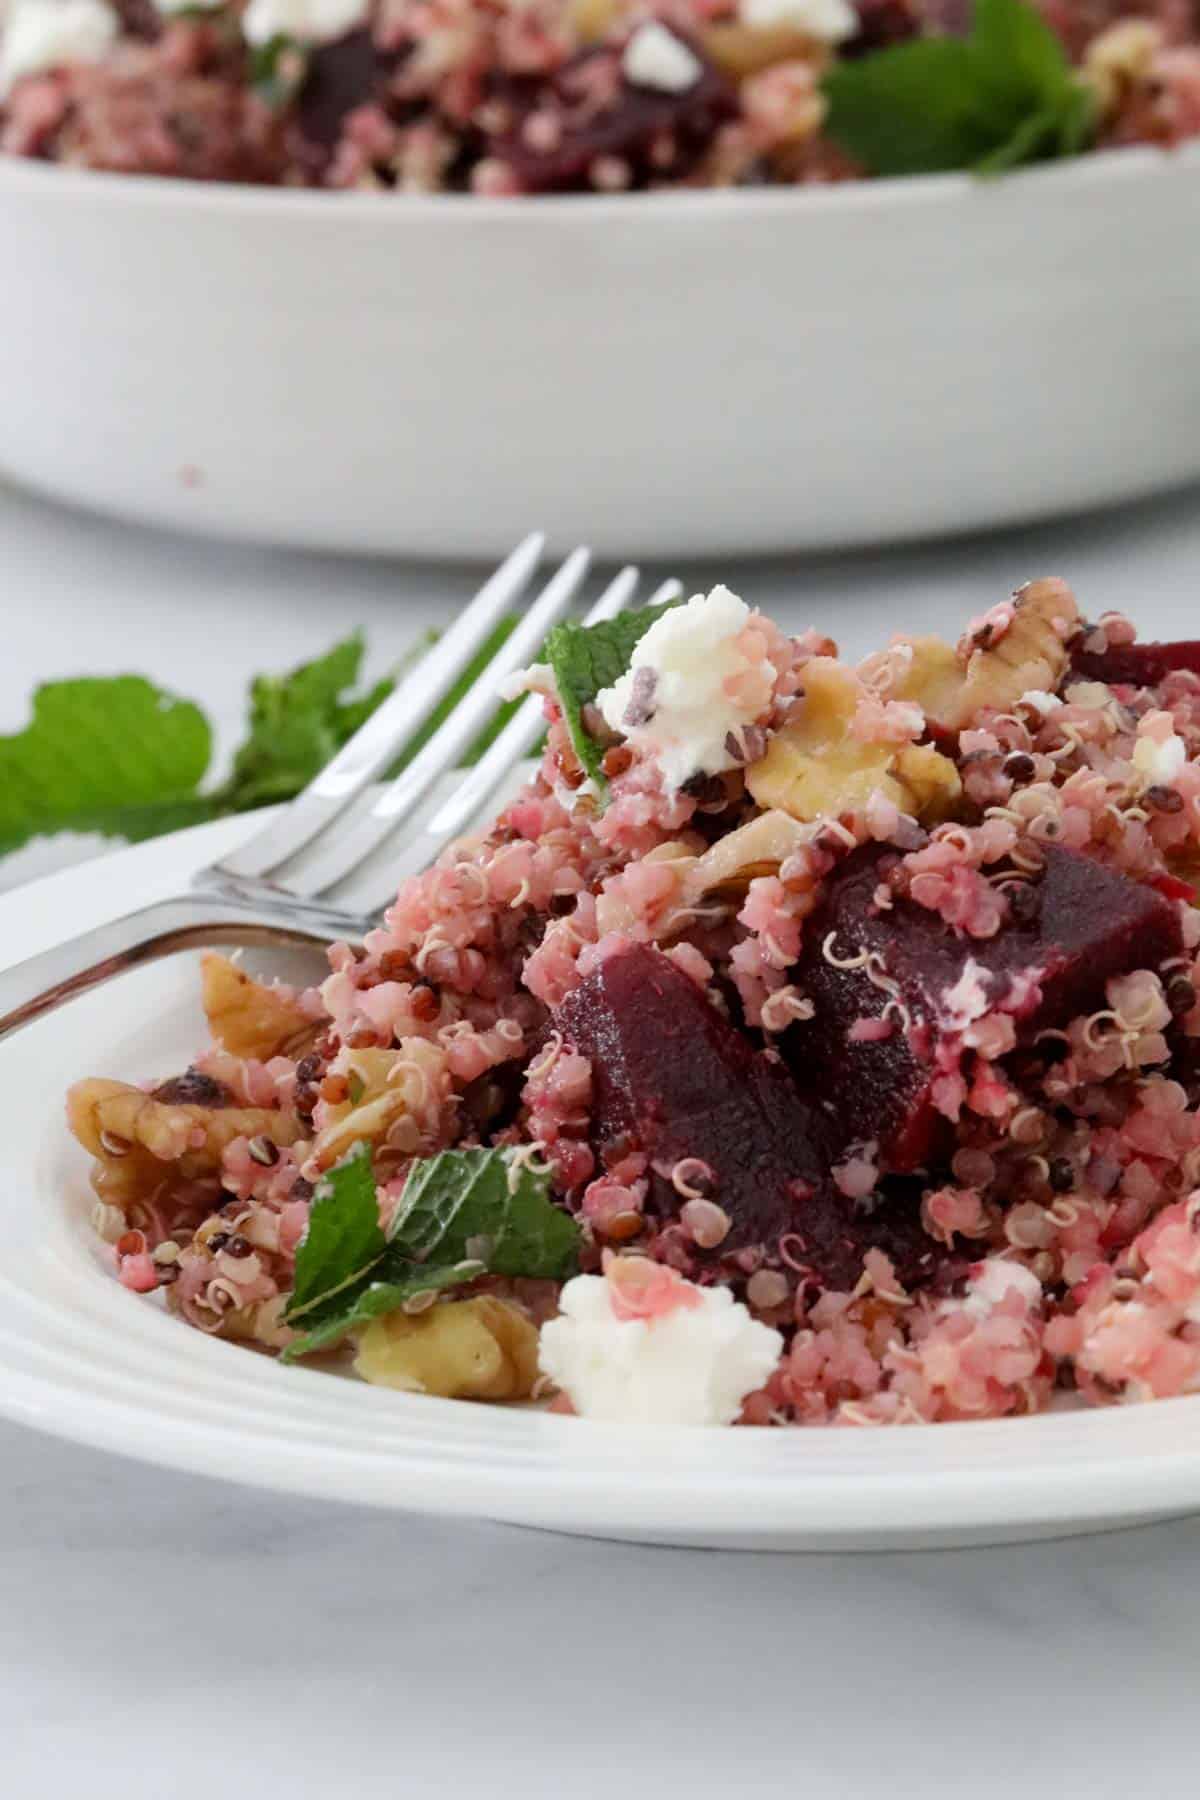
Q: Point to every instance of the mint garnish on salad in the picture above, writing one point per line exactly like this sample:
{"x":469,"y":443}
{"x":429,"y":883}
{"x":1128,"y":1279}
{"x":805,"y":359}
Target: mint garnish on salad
{"x":586,"y":659}
{"x":464,"y":1213}
{"x":1003,"y":96}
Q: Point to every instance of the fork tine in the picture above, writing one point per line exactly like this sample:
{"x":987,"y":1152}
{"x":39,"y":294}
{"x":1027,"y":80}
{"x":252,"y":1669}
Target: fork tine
{"x":526,"y":727}
{"x":332,"y":861}
{"x":388,"y":729}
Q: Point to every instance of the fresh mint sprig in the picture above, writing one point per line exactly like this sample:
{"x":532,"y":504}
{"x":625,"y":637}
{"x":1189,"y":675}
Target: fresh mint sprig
{"x":120,"y":756}
{"x":1004,"y":95}
{"x":464,"y":1213}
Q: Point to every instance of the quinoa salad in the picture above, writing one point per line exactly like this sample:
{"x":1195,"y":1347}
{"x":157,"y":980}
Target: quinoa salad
{"x":807,"y":1043}
{"x":509,"y":97}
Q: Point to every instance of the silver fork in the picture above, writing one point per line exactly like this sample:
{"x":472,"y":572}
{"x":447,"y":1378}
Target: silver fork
{"x":288,"y":883}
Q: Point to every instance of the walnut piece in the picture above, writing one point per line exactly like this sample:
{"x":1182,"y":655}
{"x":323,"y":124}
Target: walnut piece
{"x":479,"y":1349}
{"x":817,"y":768}
{"x":393,"y":1094}
{"x":1023,"y":650}
{"x":249,"y":1017}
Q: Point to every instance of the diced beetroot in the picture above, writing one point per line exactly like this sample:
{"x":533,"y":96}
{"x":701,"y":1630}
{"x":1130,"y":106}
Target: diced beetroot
{"x":589,"y":112}
{"x":1136,"y":665}
{"x":1082,"y":924}
{"x":880,"y":24}
{"x":340,"y":76}
{"x":673,"y":1078}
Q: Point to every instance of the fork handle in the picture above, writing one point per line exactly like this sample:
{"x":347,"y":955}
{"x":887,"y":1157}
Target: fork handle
{"x":44,"y":982}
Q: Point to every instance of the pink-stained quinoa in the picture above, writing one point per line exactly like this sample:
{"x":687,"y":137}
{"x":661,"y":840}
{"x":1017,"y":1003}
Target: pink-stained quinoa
{"x":505,"y":97}
{"x":1036,"y":1242}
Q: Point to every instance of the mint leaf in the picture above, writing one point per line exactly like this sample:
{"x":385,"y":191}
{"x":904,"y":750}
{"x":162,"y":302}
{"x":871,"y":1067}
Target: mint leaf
{"x":463,"y":1204}
{"x":120,"y":756}
{"x":116,"y":755}
{"x":344,"y":1240}
{"x":1004,"y":96}
{"x":464,"y":1213}
{"x":586,"y":659}
{"x":388,"y":1289}
{"x":277,"y":69}
{"x":296,"y":723}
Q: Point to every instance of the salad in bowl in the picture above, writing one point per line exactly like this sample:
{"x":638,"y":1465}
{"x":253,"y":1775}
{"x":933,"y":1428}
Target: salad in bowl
{"x":806,"y":1044}
{"x":509,"y":97}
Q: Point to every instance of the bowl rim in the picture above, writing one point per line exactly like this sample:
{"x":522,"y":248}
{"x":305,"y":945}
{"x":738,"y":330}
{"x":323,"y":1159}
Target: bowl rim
{"x":1097,"y":168}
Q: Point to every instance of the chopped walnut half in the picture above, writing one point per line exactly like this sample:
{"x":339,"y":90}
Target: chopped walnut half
{"x":480,"y":1349}
{"x":816,"y":766}
{"x":111,"y":1118}
{"x":743,"y":50}
{"x":1121,"y":60}
{"x":756,"y":848}
{"x":1021,"y":647}
{"x":400,"y":1095}
{"x":249,"y":1017}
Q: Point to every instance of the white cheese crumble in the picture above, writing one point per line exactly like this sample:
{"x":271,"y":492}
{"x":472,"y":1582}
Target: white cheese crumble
{"x":1159,"y":763}
{"x":990,"y":1281}
{"x":45,"y":34}
{"x":830,"y":21}
{"x":655,"y":58}
{"x":1041,"y":701}
{"x":309,"y":21}
{"x":673,"y":703}
{"x":693,"y":1365}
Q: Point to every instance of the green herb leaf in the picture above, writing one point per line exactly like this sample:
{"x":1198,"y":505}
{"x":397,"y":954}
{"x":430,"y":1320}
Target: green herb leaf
{"x":277,"y":69}
{"x":1004,"y":96}
{"x":296,"y":723}
{"x":344,"y":1240}
{"x":391,"y":1285}
{"x":120,"y":756}
{"x":465,"y":1212}
{"x":586,"y":659}
{"x":473,"y":1204}
{"x":115,"y":755}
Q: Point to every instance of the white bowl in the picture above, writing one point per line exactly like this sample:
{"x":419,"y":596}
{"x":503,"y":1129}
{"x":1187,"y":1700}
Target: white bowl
{"x":668,"y":374}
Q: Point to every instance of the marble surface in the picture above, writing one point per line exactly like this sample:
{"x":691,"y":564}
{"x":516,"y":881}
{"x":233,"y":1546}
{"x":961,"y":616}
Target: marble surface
{"x":167,"y":1635}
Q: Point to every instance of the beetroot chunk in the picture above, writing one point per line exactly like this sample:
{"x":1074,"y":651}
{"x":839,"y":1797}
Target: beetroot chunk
{"x":1080,"y":924}
{"x":1136,"y":665}
{"x":672,"y":1078}
{"x":589,"y":114}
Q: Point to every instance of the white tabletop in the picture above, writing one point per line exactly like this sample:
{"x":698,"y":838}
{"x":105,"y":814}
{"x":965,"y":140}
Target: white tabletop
{"x":163,"y":1635}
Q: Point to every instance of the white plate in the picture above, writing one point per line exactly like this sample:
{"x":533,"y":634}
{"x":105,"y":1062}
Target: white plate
{"x":81,"y":1357}
{"x":669,"y":374}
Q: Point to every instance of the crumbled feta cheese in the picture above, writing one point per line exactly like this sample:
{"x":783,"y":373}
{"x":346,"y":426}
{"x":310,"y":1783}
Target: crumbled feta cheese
{"x":309,"y":21}
{"x":44,"y":34}
{"x":830,"y":21}
{"x":538,"y":678}
{"x":1040,"y":701}
{"x":691,"y":1365}
{"x":1159,"y":761}
{"x":691,"y":689}
{"x":990,"y":1281}
{"x":655,"y":58}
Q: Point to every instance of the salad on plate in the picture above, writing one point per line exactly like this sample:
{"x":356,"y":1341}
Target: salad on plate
{"x":807,"y":1043}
